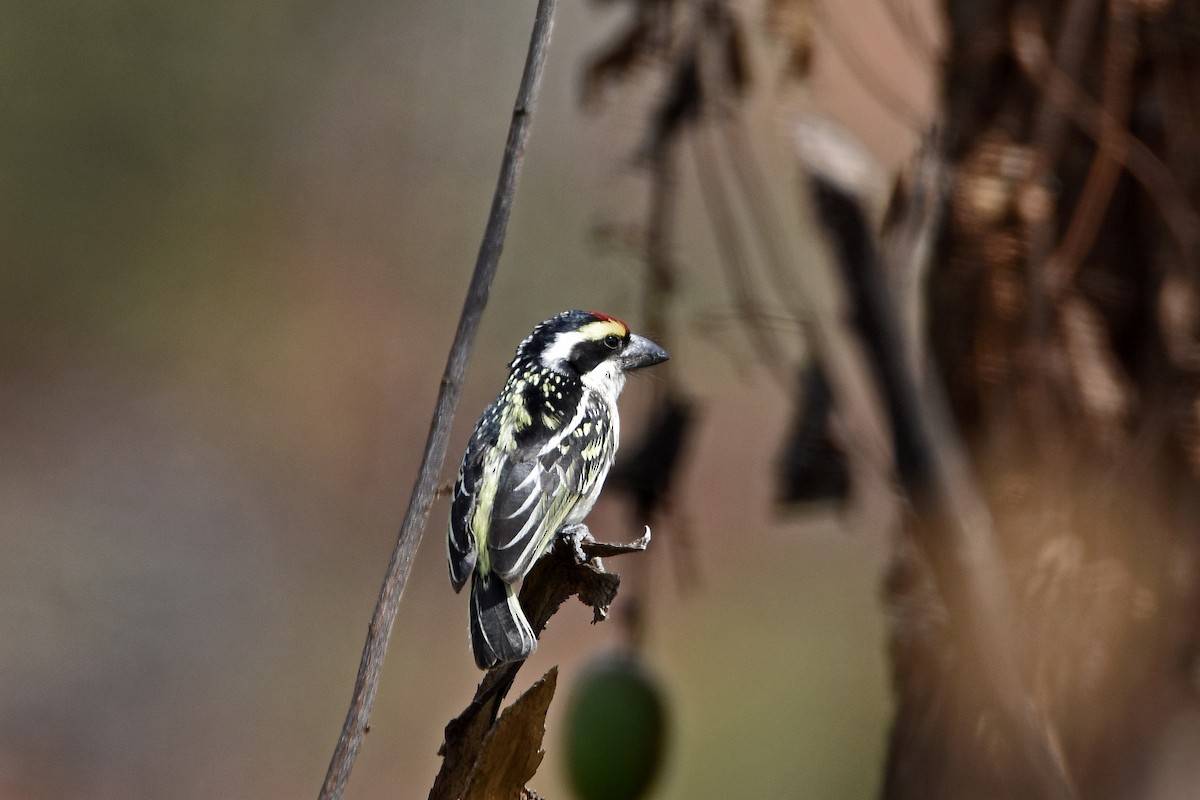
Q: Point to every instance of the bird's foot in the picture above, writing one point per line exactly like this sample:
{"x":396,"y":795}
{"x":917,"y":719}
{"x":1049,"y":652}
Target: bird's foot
{"x":588,"y":551}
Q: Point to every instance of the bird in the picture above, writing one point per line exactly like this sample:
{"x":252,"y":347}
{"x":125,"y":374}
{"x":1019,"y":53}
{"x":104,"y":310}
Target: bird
{"x":536,"y":463}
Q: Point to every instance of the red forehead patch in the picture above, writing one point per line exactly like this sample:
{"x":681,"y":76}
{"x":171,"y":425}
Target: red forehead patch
{"x":608,"y":318}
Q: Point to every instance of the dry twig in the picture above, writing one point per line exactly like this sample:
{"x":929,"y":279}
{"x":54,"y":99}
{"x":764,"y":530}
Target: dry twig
{"x":572,"y":567}
{"x":367,"y":681}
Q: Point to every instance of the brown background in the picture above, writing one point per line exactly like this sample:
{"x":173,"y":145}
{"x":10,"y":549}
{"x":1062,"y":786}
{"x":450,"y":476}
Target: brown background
{"x":234,"y":242}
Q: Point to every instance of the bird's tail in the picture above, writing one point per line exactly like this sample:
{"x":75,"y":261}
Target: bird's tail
{"x":499,"y":631}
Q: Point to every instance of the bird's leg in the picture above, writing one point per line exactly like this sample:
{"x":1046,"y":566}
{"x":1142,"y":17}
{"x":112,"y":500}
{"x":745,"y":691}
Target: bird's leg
{"x":577,"y":536}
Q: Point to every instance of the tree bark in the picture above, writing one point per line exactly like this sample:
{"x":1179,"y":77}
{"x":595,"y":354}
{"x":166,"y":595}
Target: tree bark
{"x":1065,"y":305}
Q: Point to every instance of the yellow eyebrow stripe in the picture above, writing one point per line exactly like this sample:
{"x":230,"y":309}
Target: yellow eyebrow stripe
{"x":597,"y":330}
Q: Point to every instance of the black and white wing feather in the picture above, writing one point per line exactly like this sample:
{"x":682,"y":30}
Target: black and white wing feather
{"x":542,"y":490}
{"x":461,"y":544}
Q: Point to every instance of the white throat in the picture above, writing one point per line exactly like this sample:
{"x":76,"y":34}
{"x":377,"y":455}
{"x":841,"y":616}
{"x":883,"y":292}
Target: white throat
{"x":606,"y":380}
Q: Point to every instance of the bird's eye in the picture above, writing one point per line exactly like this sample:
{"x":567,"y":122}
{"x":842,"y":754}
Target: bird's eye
{"x":612,"y":341}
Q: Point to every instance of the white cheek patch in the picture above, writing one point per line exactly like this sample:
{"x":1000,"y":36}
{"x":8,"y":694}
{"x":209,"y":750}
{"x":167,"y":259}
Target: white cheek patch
{"x":559,"y":352}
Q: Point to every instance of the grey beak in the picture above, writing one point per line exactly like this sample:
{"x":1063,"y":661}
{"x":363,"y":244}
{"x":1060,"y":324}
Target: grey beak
{"x":640,"y":353}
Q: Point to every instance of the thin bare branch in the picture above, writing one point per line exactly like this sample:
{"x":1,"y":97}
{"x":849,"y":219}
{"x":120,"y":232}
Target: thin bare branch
{"x":1079,"y":17}
{"x":764,"y":216}
{"x":1033,"y":56}
{"x":1119,"y":55}
{"x":718,"y":89}
{"x":732,"y":249}
{"x":367,"y":681}
{"x":1050,"y":128}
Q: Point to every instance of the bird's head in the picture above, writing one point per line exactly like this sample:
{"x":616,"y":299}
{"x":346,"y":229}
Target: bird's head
{"x":588,"y":345}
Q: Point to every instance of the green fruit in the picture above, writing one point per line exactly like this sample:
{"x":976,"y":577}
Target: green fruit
{"x":616,"y":730}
